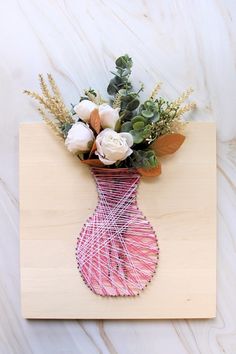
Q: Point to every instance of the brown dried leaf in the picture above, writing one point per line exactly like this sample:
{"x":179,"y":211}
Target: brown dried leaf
{"x":150,"y":172}
{"x":93,"y":162}
{"x":94,"y":147}
{"x":95,"y":121}
{"x":167,"y":144}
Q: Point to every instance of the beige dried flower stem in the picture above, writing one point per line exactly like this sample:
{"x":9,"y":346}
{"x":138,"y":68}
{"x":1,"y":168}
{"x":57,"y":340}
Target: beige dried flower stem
{"x":43,"y":86}
{"x":36,"y":97}
{"x":155,"y":90}
{"x":53,"y":103}
{"x":54,"y":87}
{"x":182,"y":98}
{"x":51,"y":124}
{"x":178,"y":125}
{"x":188,"y":107}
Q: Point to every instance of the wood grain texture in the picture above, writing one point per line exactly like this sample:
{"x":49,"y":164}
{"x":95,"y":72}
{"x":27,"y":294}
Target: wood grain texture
{"x":57,"y":195}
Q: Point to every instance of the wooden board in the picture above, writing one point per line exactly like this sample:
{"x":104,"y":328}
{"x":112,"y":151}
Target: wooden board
{"x":57,"y":194}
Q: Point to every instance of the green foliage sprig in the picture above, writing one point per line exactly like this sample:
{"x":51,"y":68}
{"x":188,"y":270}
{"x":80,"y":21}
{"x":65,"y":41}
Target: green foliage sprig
{"x":121,"y":76}
{"x":120,"y":87}
{"x":144,"y":159}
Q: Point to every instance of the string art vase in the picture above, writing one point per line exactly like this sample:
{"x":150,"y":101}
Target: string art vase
{"x":117,"y":250}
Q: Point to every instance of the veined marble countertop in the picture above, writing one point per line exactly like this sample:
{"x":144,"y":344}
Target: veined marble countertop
{"x":182,"y":43}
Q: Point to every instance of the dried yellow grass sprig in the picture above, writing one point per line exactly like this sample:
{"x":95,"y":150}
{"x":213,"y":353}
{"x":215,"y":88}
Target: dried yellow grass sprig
{"x":52,"y":124}
{"x":51,"y":100}
{"x":188,"y":107}
{"x":182,"y":98}
{"x":155,"y":91}
{"x":178,"y":125}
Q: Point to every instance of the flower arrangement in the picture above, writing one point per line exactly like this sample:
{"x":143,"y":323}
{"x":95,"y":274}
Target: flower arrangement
{"x":121,"y":139}
{"x":121,"y":131}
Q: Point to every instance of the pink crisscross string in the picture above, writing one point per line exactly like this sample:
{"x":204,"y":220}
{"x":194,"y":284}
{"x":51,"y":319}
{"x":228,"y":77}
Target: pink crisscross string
{"x":117,"y":248}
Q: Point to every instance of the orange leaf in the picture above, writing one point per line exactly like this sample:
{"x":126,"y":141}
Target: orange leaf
{"x":92,"y":149}
{"x":95,"y":121}
{"x":167,"y":144}
{"x":93,"y":162}
{"x":150,"y":172}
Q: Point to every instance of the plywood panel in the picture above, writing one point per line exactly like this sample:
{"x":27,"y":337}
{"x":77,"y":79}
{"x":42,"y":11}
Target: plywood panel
{"x":57,"y":194}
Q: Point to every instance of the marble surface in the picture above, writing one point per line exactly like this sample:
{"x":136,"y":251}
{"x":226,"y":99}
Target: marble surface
{"x":182,"y":43}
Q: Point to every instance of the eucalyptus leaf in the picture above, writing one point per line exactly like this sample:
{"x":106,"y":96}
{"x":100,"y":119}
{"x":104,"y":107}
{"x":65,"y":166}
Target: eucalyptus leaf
{"x":138,"y":126}
{"x":126,"y":127}
{"x":138,"y":119}
{"x":147,"y":114}
{"x":136,"y":136}
{"x":131,"y":106}
{"x":144,"y":158}
{"x":112,"y":89}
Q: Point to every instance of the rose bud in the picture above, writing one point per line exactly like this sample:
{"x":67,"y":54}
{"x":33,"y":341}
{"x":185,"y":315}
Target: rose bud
{"x":80,"y":138}
{"x":84,"y":109}
{"x":109,"y":116}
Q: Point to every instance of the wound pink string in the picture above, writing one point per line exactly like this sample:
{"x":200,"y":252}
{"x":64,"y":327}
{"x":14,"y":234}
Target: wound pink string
{"x":117,"y":248}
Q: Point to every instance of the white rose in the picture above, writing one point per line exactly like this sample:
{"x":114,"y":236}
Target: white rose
{"x":109,"y":116}
{"x":80,"y":138}
{"x":112,"y":146}
{"x":84,"y":109}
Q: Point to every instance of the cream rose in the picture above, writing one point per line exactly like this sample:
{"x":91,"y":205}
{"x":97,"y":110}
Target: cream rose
{"x":109,"y":116}
{"x":112,"y":146}
{"x":80,"y":138}
{"x":84,"y":109}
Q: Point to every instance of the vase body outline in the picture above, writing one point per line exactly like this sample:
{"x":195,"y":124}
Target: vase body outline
{"x":117,"y":250}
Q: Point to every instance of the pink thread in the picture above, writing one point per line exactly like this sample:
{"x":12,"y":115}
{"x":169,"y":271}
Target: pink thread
{"x":117,"y":249}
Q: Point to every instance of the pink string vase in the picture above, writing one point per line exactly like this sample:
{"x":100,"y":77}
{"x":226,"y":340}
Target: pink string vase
{"x":117,"y":249}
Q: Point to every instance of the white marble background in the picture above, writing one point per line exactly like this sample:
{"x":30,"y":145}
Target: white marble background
{"x":182,"y":43}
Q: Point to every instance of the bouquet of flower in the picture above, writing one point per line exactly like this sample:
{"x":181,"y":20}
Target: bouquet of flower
{"x":121,"y":139}
{"x":117,"y":132}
